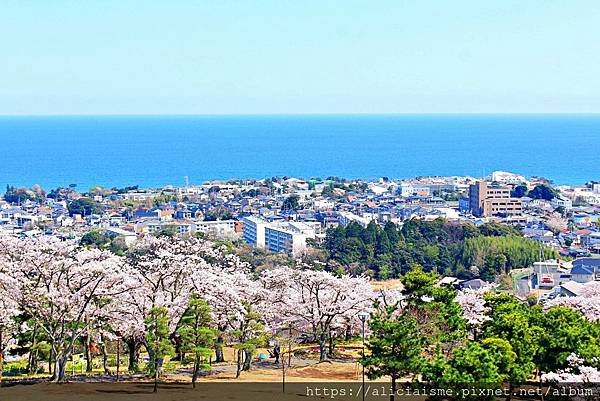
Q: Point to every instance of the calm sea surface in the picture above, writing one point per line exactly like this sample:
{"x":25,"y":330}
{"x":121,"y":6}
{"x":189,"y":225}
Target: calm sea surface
{"x":155,"y":151}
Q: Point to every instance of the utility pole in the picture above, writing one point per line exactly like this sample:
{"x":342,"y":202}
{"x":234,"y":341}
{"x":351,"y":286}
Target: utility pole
{"x":118,"y":356}
{"x":363,"y":318}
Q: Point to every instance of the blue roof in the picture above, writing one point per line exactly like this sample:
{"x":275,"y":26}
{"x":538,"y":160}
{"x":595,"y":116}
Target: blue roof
{"x":589,"y":262}
{"x":587,"y":270}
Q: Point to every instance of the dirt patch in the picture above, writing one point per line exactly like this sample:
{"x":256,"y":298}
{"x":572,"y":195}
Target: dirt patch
{"x":328,"y":371}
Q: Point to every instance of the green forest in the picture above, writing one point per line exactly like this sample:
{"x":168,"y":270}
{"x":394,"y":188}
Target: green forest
{"x":454,"y":249}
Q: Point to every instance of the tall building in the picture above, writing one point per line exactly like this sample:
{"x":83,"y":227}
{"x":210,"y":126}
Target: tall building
{"x":487,"y":200}
{"x":254,"y":231}
{"x":288,"y":237}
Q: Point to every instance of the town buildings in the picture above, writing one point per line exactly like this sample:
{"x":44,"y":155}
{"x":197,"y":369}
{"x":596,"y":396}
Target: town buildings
{"x":487,"y":200}
{"x":278,"y":236}
{"x":244,"y":209}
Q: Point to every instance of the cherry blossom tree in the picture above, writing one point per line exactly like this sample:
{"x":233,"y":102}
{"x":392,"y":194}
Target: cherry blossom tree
{"x":239,"y":307}
{"x":473,"y":304}
{"x":583,"y":380}
{"x":588,"y":302}
{"x":164,"y":272}
{"x":314,"y":302}
{"x":8,"y":311}
{"x":63,"y":288}
{"x":556,"y":223}
{"x":72,"y":293}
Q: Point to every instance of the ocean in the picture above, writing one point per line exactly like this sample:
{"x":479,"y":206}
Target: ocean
{"x":153,"y":151}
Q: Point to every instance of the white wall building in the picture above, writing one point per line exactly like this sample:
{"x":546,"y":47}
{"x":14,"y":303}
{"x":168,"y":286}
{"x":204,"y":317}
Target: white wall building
{"x":345,"y":218}
{"x":128,"y":236}
{"x":563,"y":202}
{"x":254,"y":231}
{"x":407,"y":189}
{"x":219,"y":228}
{"x":289,"y":237}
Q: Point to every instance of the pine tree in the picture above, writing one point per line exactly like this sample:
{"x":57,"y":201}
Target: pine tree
{"x":196,"y":335}
{"x":157,"y":340}
{"x":394,"y":346}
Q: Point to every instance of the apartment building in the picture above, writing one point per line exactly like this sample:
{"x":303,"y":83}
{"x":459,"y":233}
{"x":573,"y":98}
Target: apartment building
{"x":487,"y":200}
{"x":217,"y":229}
{"x":345,"y":218}
{"x":408,"y":189}
{"x":254,"y":231}
{"x":283,"y":236}
{"x":288,"y":237}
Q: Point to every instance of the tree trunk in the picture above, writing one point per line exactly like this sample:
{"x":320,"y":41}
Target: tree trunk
{"x":87,"y":352}
{"x":276,"y":353}
{"x":331,"y":350}
{"x":239,"y":363}
{"x":247,"y":360}
{"x":104,"y":356}
{"x":118,"y":357}
{"x":156,"y":374}
{"x":32,"y":360}
{"x":219,"y":356}
{"x":179,"y":354}
{"x":60,"y":363}
{"x":348,"y":334}
{"x":196,"y":369}
{"x":393,"y":394}
{"x":51,"y":371}
{"x":322,"y":347}
{"x":133,"y":349}
{"x":510,"y":390}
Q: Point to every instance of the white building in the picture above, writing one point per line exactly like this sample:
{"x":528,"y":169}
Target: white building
{"x":254,"y":231}
{"x":550,"y":273}
{"x":345,"y":218}
{"x":128,"y":236}
{"x":139,"y":196}
{"x":407,"y":189}
{"x":378,"y":189}
{"x":323,"y":204}
{"x":288,"y":237}
{"x":219,"y":228}
{"x":154,"y":226}
{"x":506,"y":177}
{"x":563,"y":202}
{"x":586,"y":194}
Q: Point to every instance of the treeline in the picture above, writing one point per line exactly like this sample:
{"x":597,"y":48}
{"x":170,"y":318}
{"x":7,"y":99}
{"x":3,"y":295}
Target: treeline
{"x":540,"y":191}
{"x":478,"y":340}
{"x":19,"y":195}
{"x":458,"y":249}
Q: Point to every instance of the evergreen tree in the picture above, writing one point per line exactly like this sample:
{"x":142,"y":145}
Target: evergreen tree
{"x":394,"y":346}
{"x":157,"y":341}
{"x":195,"y":334}
{"x":515,"y":322}
{"x":250,"y":332}
{"x":480,"y":366}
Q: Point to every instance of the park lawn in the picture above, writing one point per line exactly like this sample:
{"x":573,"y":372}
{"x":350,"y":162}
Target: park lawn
{"x":258,"y":384}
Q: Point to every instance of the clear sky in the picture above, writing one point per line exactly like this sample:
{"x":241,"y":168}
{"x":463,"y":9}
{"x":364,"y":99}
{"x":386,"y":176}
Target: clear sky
{"x":301,"y":56}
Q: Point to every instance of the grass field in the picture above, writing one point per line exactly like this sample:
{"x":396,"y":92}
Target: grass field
{"x":264,"y":382}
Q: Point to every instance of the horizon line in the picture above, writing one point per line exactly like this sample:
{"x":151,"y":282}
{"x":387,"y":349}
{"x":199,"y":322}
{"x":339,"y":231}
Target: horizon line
{"x":299,"y":114}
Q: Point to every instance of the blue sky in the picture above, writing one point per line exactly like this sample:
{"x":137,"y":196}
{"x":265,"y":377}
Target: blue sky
{"x":346,"y":56}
